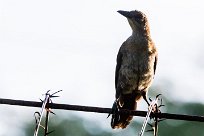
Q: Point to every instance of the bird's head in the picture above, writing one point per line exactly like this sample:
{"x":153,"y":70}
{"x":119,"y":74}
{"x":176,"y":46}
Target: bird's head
{"x":136,"y":19}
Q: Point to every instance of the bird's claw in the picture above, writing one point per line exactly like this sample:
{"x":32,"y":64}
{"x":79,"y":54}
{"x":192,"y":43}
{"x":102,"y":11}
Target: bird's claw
{"x":114,"y":109}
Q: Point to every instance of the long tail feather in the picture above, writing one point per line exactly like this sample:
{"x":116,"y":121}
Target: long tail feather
{"x":122,"y":121}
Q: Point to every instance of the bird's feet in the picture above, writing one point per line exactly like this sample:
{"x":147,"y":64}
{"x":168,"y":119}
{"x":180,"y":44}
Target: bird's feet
{"x":115,"y":115}
{"x":114,"y":109}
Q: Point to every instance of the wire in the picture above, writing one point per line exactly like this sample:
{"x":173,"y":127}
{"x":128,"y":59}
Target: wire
{"x":101,"y":110}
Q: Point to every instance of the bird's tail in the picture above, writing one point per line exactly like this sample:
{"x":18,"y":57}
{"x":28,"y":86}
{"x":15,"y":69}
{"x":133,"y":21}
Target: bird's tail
{"x":123,"y":120}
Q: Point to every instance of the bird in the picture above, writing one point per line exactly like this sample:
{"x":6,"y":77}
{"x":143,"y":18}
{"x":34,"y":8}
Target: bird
{"x":135,"y":68}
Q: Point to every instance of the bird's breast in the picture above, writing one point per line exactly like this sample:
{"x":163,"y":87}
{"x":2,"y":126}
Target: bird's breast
{"x":137,"y":70}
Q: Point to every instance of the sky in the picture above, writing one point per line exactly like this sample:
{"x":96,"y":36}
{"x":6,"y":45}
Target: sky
{"x":72,"y":46}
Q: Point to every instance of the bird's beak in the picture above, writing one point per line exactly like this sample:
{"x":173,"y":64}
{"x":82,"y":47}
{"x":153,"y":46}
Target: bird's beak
{"x":125,"y":13}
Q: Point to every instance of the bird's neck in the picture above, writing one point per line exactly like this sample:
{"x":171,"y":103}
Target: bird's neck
{"x":141,"y":35}
{"x":141,"y":32}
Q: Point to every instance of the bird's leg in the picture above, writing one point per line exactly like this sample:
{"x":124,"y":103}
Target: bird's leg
{"x":144,"y":95}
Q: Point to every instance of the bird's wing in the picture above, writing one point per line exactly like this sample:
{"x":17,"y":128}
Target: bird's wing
{"x":155,"y":63}
{"x":118,"y":65}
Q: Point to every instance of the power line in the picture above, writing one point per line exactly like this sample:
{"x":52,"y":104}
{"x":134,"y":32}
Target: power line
{"x":100,"y":110}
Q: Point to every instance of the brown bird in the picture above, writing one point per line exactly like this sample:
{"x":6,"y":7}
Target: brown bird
{"x":135,"y":69}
